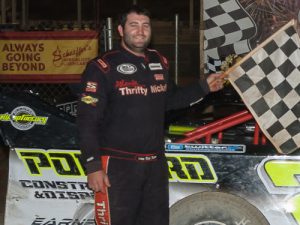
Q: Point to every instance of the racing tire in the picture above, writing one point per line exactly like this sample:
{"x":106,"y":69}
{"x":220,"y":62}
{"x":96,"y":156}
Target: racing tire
{"x":85,"y":212}
{"x":215,"y":208}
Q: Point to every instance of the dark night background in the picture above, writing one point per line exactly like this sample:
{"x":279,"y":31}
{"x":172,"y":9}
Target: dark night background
{"x":67,"y":9}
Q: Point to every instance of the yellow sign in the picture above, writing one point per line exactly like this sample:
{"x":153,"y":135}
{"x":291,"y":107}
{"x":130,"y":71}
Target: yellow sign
{"x":46,"y":53}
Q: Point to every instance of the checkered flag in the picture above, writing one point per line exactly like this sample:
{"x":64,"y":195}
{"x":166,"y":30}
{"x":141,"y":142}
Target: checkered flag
{"x":268,"y":80}
{"x":214,"y":65}
{"x":227,"y":25}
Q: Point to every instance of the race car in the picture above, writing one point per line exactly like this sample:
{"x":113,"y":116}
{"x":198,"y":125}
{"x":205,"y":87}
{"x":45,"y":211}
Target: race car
{"x":222,"y":171}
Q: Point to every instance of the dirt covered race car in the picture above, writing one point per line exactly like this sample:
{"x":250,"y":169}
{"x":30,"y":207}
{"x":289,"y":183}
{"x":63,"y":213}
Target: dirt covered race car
{"x":222,"y":171}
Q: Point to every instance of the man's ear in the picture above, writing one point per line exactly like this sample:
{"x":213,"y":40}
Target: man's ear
{"x":120,"y":29}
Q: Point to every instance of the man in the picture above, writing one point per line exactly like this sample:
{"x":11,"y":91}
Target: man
{"x":125,"y":94}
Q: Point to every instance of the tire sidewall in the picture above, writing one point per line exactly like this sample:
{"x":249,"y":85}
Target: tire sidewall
{"x":221,"y":207}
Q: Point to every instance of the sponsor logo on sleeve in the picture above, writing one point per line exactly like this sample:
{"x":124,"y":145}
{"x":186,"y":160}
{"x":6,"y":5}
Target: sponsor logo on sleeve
{"x":126,"y":68}
{"x":102,"y":64}
{"x":91,"y":86}
{"x":89,"y":100}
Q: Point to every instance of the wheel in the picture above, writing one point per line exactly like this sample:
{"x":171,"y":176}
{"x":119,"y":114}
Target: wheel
{"x":85,"y":212}
{"x":215,"y":208}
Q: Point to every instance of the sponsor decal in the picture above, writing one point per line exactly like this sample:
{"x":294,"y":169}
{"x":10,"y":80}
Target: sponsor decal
{"x":134,"y":88}
{"x":50,"y":54}
{"x":209,"y":148}
{"x":189,"y":168}
{"x":147,"y":158}
{"x":65,"y":221}
{"x":158,"y":88}
{"x":53,"y":190}
{"x":22,"y":57}
{"x":134,"y":91}
{"x":126,"y":68}
{"x":64,"y":163}
{"x":89,"y":100}
{"x":69,"y":107}
{"x":159,"y":76}
{"x":131,"y":88}
{"x":102,"y":214}
{"x":280,"y":175}
{"x":123,"y":83}
{"x":155,"y":66}
{"x":91,"y":86}
{"x":71,"y":56}
{"x":23,"y":118}
{"x":102,"y":64}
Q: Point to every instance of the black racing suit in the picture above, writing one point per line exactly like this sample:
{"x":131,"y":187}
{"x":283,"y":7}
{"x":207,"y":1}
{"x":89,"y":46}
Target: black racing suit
{"x":121,"y":130}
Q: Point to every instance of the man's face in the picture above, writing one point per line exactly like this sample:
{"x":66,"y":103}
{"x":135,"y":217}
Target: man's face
{"x":136,"y":33}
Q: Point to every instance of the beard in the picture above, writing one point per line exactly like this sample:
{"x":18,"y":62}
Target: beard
{"x":138,"y":46}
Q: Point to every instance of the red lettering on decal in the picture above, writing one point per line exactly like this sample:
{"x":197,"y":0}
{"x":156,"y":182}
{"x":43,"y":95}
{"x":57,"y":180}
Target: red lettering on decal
{"x":123,"y":83}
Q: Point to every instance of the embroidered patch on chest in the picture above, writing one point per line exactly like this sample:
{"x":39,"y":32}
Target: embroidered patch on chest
{"x":159,"y":76}
{"x":155,"y":66}
{"x":126,"y":68}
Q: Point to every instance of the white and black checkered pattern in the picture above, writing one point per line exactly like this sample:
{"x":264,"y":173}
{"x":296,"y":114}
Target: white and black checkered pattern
{"x":226,"y":23}
{"x":228,"y":28}
{"x":219,"y":54}
{"x":214,"y":65}
{"x":269,"y":84}
{"x":238,"y":48}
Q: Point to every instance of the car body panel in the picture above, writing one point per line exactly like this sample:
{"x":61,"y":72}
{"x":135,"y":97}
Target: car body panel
{"x":47,"y":182}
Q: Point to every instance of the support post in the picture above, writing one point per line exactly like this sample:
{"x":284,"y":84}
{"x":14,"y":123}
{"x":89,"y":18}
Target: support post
{"x":176,"y":48}
{"x":3,"y":11}
{"x":97,"y":14}
{"x":24,"y":22}
{"x":201,"y":41}
{"x":14,"y":11}
{"x":79,"y":14}
{"x":109,"y":33}
{"x":191,"y":15}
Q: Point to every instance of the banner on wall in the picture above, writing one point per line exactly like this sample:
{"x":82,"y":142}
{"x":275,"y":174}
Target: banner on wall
{"x":46,"y":56}
{"x":235,"y":27}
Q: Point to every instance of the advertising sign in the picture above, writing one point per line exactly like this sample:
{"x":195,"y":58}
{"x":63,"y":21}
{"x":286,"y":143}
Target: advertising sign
{"x":46,"y":56}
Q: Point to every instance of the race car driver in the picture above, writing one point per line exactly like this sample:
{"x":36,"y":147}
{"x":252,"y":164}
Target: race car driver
{"x":124,"y":96}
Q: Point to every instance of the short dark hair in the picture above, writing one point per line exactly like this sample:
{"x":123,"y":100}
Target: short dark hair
{"x":133,"y":9}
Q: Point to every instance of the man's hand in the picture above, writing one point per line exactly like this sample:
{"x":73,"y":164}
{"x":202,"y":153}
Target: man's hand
{"x":215,"y":82}
{"x":98,"y":181}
